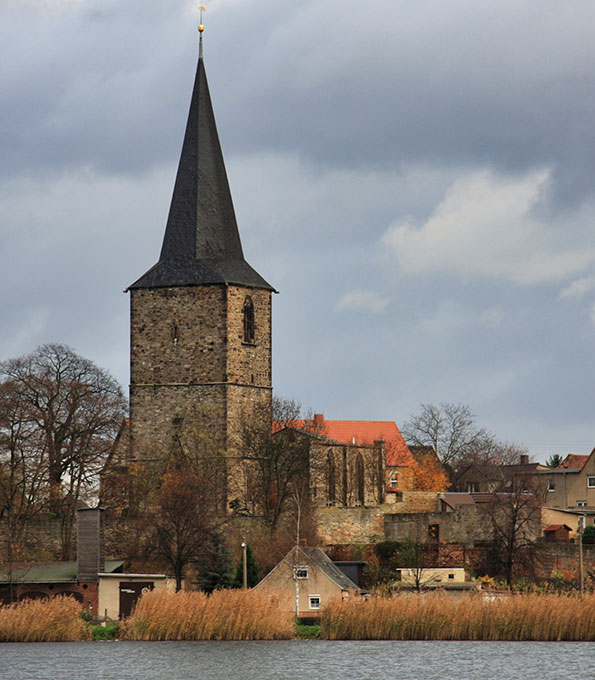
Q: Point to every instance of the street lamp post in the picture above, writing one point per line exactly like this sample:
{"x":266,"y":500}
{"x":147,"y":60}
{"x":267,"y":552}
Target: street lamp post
{"x":244,"y":565}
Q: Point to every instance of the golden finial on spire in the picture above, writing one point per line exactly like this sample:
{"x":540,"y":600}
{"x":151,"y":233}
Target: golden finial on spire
{"x":201,"y":28}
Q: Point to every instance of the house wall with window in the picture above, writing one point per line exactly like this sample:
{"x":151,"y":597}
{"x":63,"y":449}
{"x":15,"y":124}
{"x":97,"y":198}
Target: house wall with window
{"x":572,"y":488}
{"x":316,"y":577}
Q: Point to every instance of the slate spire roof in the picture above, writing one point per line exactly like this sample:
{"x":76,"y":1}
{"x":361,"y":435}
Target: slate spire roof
{"x":202,"y":242}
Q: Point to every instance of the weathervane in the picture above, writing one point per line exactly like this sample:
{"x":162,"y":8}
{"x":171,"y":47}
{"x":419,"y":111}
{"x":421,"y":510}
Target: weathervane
{"x":201,"y":28}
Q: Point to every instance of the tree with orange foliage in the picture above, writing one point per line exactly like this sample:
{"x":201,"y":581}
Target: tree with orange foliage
{"x":428,"y":474}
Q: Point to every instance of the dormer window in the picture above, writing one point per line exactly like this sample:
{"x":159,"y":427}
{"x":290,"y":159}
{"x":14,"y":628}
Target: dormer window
{"x":248,"y":320}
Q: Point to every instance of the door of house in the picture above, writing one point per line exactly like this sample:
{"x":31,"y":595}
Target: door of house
{"x":130,"y":591}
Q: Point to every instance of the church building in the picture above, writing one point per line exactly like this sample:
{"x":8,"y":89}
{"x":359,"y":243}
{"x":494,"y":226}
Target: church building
{"x":200,"y":318}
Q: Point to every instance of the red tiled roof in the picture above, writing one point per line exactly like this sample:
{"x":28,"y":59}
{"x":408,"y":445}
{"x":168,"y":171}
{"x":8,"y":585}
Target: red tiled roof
{"x":574,"y":461}
{"x":555,"y":527}
{"x":363,"y":432}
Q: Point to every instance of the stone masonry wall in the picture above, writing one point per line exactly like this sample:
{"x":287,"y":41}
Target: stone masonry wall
{"x":464,"y":526}
{"x":350,"y":525}
{"x":178,"y":335}
{"x":334,"y":475}
{"x":416,"y":501}
{"x":191,"y":372}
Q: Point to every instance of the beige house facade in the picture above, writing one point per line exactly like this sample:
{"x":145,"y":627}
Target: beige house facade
{"x":572,"y":487}
{"x":306,"y":580}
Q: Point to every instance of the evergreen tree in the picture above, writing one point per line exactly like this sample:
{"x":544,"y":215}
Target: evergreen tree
{"x":215,"y":568}
{"x":251,"y":568}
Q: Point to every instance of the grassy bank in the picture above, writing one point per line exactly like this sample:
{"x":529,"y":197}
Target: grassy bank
{"x":55,"y":620}
{"x":438,"y":617}
{"x":224,"y":615}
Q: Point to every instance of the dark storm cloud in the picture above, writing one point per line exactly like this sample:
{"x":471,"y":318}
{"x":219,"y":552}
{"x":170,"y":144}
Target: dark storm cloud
{"x":415,"y":177}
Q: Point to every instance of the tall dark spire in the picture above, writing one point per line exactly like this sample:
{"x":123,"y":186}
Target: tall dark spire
{"x":201,"y":243}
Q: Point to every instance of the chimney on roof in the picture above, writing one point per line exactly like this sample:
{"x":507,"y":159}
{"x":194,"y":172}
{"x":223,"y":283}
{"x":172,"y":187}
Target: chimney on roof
{"x":90,"y":554}
{"x":318,"y":420}
{"x":524,"y":459}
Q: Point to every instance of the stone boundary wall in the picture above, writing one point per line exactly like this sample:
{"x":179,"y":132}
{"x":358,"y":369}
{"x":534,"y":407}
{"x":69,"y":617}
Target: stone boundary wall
{"x":350,"y":525}
{"x":465,"y":526}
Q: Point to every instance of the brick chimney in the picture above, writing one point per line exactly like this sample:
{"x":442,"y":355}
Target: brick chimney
{"x":318,"y":421}
{"x":524,"y":459}
{"x":90,"y":552}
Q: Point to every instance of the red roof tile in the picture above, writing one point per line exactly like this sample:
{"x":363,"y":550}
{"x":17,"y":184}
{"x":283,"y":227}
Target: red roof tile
{"x":555,"y":527}
{"x":363,"y":432}
{"x":574,"y":461}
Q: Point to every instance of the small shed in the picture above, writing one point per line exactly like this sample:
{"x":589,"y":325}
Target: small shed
{"x":557,"y":533}
{"x":306,"y":579}
{"x":118,"y":593}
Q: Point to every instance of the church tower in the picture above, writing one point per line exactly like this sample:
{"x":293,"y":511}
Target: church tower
{"x":200,"y":319}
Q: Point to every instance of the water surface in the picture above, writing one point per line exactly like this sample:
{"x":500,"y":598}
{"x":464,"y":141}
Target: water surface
{"x":297,"y":660}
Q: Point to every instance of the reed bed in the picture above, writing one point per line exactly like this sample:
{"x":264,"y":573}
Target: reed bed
{"x":223,"y":615}
{"x":54,"y":620}
{"x":547,"y":617}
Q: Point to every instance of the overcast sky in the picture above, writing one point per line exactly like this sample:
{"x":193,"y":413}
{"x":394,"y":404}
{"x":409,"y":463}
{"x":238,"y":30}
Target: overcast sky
{"x":416,"y":178}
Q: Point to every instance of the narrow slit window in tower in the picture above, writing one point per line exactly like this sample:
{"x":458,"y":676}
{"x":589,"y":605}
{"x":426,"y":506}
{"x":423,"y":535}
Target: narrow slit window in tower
{"x":248,"y":320}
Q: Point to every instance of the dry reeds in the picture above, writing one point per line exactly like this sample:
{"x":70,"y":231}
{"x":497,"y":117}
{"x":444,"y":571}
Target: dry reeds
{"x":53,"y":620}
{"x":437,"y":616}
{"x":223,"y":615}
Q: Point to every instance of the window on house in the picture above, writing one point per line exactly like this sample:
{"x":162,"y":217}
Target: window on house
{"x":301,"y":572}
{"x":434,"y":532}
{"x":248,"y":320}
{"x":551,"y":485}
{"x":472,"y":487}
{"x":314,"y":601}
{"x":581,"y":504}
{"x":394,"y":479}
{"x":451,"y":577}
{"x":591,"y":481}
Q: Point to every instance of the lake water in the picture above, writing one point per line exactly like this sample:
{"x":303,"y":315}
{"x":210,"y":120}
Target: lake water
{"x":297,"y":660}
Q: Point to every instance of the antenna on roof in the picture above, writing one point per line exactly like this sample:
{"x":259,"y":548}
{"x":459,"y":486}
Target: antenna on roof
{"x":201,"y":28}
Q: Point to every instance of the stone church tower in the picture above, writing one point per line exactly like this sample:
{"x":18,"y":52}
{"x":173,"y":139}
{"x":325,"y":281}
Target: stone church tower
{"x":200,"y":319}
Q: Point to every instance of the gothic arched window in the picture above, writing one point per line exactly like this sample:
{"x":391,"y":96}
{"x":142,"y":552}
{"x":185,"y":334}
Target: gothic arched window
{"x":360,"y":488}
{"x":331,"y":477}
{"x":248,"y":320}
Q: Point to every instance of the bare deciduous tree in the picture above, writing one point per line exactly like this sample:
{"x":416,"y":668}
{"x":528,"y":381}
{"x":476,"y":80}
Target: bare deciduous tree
{"x":185,"y":517}
{"x":451,"y":431}
{"x":515,"y":515}
{"x":275,"y":463}
{"x":72,"y":409}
